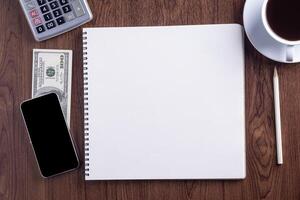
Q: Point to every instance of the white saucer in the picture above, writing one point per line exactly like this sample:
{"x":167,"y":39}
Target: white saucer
{"x":259,"y":36}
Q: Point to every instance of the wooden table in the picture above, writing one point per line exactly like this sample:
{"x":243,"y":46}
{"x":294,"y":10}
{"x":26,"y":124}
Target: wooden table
{"x":19,"y":176}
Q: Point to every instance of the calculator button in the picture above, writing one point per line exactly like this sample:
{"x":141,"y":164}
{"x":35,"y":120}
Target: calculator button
{"x":37,"y":21}
{"x":54,"y":5}
{"x":34,"y":13}
{"x":48,"y":16}
{"x":30,"y":5}
{"x":66,"y":9}
{"x":44,"y":8}
{"x":78,"y":9}
{"x":69,"y":16}
{"x":41,"y":2}
{"x":50,"y":25}
{"x":57,"y":13}
{"x":40,"y":29}
{"x":60,"y":20}
{"x":63,"y":2}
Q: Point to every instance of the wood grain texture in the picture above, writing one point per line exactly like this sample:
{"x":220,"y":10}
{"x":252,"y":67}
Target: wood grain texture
{"x":19,"y":176}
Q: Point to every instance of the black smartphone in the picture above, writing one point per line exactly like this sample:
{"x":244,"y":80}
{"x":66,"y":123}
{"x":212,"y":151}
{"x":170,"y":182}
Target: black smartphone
{"x":49,"y":135}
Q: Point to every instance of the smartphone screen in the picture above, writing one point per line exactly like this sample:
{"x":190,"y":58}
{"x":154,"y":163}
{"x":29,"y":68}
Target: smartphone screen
{"x":49,"y":135}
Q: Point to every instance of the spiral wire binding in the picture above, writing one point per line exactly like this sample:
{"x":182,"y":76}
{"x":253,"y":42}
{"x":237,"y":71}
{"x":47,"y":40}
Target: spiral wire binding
{"x":86,"y":104}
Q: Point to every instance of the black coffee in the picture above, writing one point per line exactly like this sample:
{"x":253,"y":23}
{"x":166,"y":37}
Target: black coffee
{"x":284,"y":18}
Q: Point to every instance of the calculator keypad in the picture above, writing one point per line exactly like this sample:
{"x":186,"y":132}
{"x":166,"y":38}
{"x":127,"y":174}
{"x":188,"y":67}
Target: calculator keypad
{"x":55,"y":15}
{"x":51,"y":9}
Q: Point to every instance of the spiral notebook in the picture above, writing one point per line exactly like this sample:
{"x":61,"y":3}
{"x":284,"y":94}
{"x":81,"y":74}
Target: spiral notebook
{"x":164,"y":102}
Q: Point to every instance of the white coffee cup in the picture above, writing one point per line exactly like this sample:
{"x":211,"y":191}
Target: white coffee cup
{"x":290,"y":45}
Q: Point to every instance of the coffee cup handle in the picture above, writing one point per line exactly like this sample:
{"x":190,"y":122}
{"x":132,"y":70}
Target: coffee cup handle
{"x":290,"y":51}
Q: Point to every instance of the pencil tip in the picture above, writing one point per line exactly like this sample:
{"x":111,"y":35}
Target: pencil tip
{"x":275,"y":71}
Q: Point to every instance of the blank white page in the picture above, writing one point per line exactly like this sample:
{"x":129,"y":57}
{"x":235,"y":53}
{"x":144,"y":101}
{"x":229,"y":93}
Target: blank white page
{"x":166,"y":102}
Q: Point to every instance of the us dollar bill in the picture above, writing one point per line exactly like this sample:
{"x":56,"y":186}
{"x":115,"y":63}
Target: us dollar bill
{"x":52,"y":73}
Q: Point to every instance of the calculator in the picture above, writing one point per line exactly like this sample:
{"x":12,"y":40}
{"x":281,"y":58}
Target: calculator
{"x":49,"y":18}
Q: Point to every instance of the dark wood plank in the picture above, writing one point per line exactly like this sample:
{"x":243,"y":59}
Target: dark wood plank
{"x":19,"y":176}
